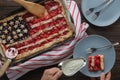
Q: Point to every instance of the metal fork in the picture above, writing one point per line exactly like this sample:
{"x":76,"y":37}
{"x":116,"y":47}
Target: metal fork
{"x":96,"y":14}
{"x":92,"y":50}
{"x":90,"y":10}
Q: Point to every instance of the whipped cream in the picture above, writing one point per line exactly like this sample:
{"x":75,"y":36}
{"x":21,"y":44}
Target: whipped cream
{"x":11,"y":53}
{"x":71,"y":67}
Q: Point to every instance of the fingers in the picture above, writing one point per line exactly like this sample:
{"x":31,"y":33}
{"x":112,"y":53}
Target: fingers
{"x":51,"y":71}
{"x":51,"y":74}
{"x":105,"y":77}
{"x":102,"y":76}
{"x":108,"y":76}
{"x":56,"y":72}
{"x":57,"y":75}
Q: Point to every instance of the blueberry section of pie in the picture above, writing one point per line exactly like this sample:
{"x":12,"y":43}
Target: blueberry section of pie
{"x":13,"y":30}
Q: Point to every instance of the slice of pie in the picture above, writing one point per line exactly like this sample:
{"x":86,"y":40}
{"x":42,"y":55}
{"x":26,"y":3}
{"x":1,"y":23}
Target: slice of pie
{"x":96,"y":62}
{"x":29,"y":34}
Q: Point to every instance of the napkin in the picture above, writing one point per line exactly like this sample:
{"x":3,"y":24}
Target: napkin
{"x":58,"y":54}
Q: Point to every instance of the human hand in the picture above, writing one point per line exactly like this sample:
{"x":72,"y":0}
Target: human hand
{"x":104,"y":76}
{"x":51,"y":74}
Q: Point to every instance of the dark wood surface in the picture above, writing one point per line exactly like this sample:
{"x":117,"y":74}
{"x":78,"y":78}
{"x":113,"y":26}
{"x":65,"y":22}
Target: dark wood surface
{"x":111,"y":32}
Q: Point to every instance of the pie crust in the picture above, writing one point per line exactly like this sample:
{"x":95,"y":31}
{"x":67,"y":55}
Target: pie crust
{"x":96,"y":62}
{"x":30,"y":35}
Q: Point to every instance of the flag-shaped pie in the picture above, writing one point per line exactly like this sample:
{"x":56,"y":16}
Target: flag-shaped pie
{"x":29,"y":34}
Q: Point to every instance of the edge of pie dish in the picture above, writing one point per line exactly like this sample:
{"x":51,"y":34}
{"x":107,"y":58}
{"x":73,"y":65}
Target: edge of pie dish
{"x":30,"y":36}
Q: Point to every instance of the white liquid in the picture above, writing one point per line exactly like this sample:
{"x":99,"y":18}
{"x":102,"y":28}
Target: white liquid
{"x":71,"y":67}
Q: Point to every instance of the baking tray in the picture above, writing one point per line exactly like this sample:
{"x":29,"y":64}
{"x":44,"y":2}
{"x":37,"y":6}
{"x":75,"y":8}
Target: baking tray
{"x":16,"y":62}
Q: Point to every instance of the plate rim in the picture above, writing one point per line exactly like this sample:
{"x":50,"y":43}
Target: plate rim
{"x":94,"y":23}
{"x":105,"y":40}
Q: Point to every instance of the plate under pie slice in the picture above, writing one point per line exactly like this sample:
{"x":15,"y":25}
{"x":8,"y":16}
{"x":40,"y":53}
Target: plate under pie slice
{"x":30,"y":34}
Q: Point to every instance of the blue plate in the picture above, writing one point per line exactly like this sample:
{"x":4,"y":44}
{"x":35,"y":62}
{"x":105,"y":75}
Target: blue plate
{"x":107,"y":17}
{"x":95,"y":41}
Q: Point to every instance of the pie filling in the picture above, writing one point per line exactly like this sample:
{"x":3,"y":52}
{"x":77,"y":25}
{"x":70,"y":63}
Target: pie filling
{"x":29,"y":34}
{"x":96,"y":63}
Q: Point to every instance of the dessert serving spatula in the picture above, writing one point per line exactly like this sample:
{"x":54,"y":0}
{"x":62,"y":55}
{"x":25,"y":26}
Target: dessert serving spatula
{"x":34,"y":8}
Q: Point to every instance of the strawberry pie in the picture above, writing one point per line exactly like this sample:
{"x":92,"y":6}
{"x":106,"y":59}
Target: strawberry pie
{"x":30,"y":34}
{"x":96,"y":62}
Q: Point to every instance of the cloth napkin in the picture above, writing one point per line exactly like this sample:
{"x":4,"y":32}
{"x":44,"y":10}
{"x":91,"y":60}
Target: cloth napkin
{"x":57,"y":54}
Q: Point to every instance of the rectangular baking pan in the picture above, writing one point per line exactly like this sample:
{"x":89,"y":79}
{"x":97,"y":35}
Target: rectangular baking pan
{"x":16,"y":62}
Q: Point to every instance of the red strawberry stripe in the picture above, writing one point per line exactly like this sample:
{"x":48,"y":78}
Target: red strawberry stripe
{"x":51,"y":4}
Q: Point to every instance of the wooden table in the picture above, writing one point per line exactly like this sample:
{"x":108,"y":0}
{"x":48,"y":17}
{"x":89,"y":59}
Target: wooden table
{"x":111,"y":32}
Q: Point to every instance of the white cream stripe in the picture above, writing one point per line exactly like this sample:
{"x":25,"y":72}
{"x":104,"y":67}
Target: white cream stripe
{"x":29,"y":18}
{"x":76,"y":17}
{"x":45,"y":21}
{"x":35,"y":35}
{"x":78,"y":32}
{"x":42,"y":40}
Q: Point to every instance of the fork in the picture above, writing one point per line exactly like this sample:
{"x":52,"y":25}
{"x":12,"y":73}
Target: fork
{"x":90,"y":10}
{"x":96,"y":14}
{"x":92,"y":50}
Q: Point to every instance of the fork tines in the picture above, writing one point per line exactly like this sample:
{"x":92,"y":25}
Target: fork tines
{"x":89,"y":11}
{"x":95,"y":15}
